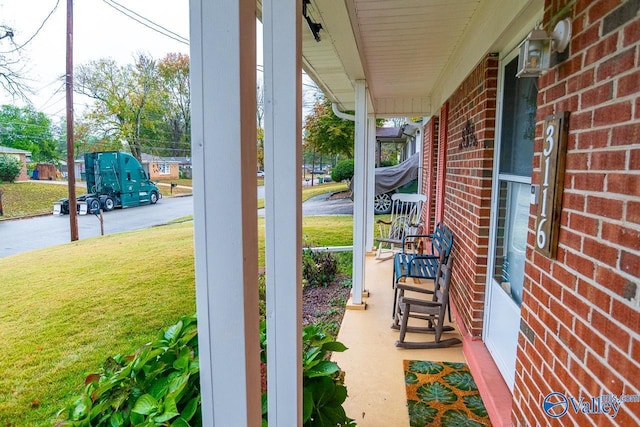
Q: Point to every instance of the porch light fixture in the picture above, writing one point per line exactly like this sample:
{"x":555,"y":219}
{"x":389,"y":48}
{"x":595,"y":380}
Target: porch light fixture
{"x":315,"y":27}
{"x":537,"y":47}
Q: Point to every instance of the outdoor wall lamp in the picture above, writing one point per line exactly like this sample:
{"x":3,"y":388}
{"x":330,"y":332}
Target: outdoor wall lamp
{"x":537,"y":47}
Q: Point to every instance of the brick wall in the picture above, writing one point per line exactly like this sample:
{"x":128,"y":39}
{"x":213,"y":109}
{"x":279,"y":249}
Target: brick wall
{"x":584,"y":306}
{"x":429,"y":169}
{"x":467,"y":196}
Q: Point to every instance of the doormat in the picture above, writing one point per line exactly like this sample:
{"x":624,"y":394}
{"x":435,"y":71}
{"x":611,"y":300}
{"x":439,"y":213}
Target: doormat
{"x":442,"y":394}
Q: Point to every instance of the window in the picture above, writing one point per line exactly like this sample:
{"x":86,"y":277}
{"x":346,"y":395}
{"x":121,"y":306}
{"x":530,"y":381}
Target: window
{"x":164,"y":168}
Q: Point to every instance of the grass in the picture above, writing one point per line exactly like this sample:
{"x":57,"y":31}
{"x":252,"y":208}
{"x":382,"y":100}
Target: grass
{"x":318,"y":189}
{"x":22,"y":199}
{"x":67,"y":308}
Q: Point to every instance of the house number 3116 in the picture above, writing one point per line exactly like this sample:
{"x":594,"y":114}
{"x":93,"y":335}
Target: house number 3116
{"x":551,"y":177}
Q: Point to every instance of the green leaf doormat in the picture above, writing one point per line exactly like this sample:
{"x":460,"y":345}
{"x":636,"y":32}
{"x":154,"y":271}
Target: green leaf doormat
{"x":442,"y":394}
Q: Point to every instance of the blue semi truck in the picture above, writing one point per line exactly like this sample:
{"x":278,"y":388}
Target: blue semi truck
{"x":114,"y":180}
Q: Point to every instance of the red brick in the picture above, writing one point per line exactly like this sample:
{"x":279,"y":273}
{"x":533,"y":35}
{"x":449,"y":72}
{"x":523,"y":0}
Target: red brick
{"x":605,"y":207}
{"x":620,"y":235}
{"x":573,"y":201}
{"x":627,"y":315}
{"x":625,"y":184}
{"x":614,"y":113}
{"x":631,"y":33}
{"x":626,"y":368}
{"x":635,"y":349}
{"x":573,"y":343}
{"x":627,"y":134}
{"x":630,"y":263}
{"x":628,"y":415}
{"x":584,"y":224}
{"x":608,"y":160}
{"x":581,"y":121}
{"x":593,"y":139}
{"x":575,"y":304}
{"x":568,"y":104}
{"x":587,"y":181}
{"x":558,"y":350}
{"x":633,"y":212}
{"x":586,"y":378}
{"x":600,"y":251}
{"x":555,"y":92}
{"x":576,"y":161}
{"x":620,"y":63}
{"x":601,"y":50}
{"x":594,"y":295}
{"x":603,"y":372}
{"x":569,"y":239}
{"x":629,"y":84}
{"x":634,"y":158}
{"x":597,"y":95}
{"x":587,"y":38}
{"x":617,"y":336}
{"x":581,"y":81}
{"x":612,"y":280}
{"x":564,"y":277}
{"x":600,"y":8}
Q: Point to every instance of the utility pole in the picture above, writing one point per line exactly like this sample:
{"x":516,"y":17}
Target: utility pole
{"x":71,"y":172}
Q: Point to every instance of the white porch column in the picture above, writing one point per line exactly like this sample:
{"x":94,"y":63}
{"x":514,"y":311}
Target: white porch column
{"x":360,"y":196}
{"x":283,"y":208}
{"x":223,"y":87}
{"x":371,"y":154}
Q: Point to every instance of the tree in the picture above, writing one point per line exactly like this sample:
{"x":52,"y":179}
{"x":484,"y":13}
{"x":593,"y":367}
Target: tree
{"x":123,"y":99}
{"x":27,"y":129}
{"x":146,"y":105}
{"x":175,"y":91}
{"x":11,"y":80}
{"x":259,"y":119}
{"x":9,"y":168}
{"x":327,"y":133}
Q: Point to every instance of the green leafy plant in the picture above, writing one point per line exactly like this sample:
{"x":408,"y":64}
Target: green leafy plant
{"x":343,"y":170}
{"x":322,"y":380}
{"x":318,"y":268}
{"x":159,"y":385}
{"x":9,"y":168}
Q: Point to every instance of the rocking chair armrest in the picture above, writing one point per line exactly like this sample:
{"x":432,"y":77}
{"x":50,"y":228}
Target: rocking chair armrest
{"x":414,"y":237}
{"x":412,"y":288}
{"x":381,"y":221}
{"x":420,"y":302}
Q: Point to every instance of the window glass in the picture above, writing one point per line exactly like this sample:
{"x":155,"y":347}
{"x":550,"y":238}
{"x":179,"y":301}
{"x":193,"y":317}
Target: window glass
{"x":511,"y":237}
{"x":518,"y":122}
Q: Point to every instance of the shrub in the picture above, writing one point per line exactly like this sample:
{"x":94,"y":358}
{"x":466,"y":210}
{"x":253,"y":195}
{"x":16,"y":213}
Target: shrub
{"x":323,"y":390}
{"x":318,"y":268}
{"x":342,"y":171}
{"x":9,"y":168}
{"x":158,"y":385}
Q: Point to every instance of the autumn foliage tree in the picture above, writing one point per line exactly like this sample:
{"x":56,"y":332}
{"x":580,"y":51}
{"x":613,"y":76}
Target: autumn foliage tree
{"x":328,"y":134}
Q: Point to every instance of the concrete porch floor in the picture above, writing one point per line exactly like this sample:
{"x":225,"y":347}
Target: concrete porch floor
{"x":373,"y":364}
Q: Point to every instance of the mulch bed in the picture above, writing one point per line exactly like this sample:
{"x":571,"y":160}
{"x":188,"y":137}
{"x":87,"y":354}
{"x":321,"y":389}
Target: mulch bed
{"x":325,"y":304}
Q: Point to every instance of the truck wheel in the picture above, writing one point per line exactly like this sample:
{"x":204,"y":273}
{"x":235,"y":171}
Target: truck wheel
{"x":153,"y":198}
{"x":93,"y":205}
{"x":108,"y":204}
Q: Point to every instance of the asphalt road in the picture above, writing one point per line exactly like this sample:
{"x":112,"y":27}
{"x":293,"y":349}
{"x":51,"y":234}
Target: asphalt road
{"x":22,"y":235}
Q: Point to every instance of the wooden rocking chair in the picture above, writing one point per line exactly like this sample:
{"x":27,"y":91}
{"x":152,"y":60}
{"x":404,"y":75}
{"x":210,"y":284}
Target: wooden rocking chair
{"x":405,"y":220}
{"x":432,"y":311}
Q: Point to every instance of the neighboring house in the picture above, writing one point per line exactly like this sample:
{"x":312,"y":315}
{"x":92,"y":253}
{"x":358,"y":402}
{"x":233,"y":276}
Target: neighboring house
{"x":550,"y":316}
{"x":21,"y":155}
{"x":161,"y":167}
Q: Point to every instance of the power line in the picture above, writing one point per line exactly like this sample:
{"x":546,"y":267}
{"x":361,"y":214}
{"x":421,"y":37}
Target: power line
{"x":149,"y":23}
{"x":37,"y":31}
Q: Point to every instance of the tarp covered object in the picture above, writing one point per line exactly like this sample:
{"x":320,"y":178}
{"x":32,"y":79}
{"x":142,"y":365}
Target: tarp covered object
{"x":391,"y":177}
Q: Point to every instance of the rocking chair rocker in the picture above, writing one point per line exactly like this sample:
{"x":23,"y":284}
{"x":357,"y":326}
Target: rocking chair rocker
{"x":432,"y":311}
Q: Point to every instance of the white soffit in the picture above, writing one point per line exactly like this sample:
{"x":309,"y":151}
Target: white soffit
{"x":411,"y":52}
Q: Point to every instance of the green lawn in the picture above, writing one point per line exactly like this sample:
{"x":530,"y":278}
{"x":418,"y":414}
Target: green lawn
{"x":66,"y":308}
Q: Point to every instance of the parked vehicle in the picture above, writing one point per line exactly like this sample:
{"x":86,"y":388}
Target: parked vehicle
{"x":114,"y":180}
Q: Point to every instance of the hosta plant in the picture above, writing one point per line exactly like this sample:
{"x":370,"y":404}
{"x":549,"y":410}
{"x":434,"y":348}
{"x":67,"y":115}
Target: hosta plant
{"x":157,"y":386}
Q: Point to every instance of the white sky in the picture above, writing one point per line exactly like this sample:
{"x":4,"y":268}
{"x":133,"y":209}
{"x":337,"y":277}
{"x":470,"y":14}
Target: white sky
{"x":99,"y":32}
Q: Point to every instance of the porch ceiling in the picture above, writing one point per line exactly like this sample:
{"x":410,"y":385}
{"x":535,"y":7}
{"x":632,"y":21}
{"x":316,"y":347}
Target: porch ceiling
{"x":406,"y":50}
